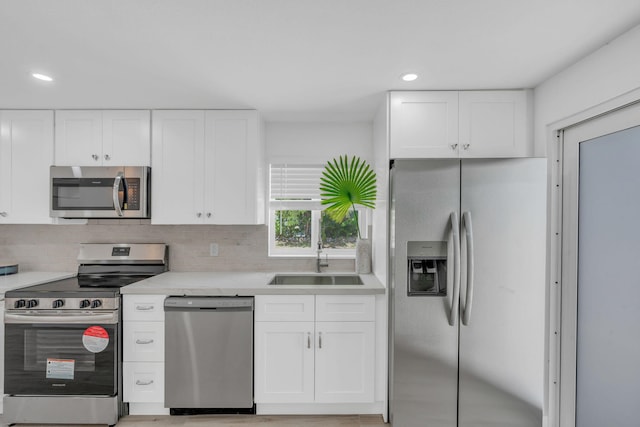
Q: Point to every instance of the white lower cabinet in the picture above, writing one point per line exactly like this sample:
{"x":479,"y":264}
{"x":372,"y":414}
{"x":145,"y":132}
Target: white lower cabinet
{"x":314,"y":349}
{"x":143,"y":354}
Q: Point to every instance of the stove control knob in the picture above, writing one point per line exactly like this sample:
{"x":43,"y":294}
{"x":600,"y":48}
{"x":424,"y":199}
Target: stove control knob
{"x":57,"y":303}
{"x":32,"y":303}
{"x":85,"y":303}
{"x":20,"y":303}
{"x":96,"y":303}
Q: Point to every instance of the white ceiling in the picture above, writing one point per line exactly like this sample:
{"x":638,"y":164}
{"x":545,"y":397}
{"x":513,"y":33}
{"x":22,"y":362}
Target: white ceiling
{"x":290,"y":59}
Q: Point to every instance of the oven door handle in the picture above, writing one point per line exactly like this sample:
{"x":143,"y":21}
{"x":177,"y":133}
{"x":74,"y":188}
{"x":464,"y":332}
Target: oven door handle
{"x":68,"y":318}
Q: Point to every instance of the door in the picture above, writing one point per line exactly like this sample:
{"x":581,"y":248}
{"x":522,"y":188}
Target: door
{"x":600,"y":342}
{"x":52,"y":359}
{"x":494,"y":123}
{"x":344,"y":362}
{"x":423,"y":124}
{"x":78,"y":138}
{"x":284,"y":365}
{"x":232,"y":154}
{"x":26,"y":152}
{"x":501,"y":351}
{"x":126,"y":138}
{"x":178,"y":163}
{"x":424,"y":338}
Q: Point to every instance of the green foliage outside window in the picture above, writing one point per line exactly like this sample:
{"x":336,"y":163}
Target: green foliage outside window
{"x":293,"y":228}
{"x":339,"y":235}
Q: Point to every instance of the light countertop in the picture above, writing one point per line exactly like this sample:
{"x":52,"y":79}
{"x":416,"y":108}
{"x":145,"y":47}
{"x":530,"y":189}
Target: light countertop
{"x":30,"y":278}
{"x":242,"y":284}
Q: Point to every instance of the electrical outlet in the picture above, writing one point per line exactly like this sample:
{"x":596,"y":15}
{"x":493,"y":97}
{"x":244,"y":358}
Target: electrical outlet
{"x":213,"y":249}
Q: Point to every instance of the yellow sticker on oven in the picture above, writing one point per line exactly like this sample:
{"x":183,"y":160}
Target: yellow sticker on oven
{"x":61,"y":369}
{"x":95,"y":339}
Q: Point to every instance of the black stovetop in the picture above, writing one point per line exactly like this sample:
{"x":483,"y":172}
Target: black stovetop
{"x":77,"y":286}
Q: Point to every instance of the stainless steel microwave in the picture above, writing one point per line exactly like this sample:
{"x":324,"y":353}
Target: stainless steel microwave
{"x":100,"y":192}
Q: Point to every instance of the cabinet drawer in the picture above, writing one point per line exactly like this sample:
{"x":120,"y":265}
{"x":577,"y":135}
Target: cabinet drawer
{"x":143,"y":307}
{"x":143,"y":341}
{"x":284,"y":308}
{"x":143,"y":381}
{"x":349,"y":308}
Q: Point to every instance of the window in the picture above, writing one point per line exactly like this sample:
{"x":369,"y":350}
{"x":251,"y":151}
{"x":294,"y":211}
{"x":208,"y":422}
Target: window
{"x":297,"y":221}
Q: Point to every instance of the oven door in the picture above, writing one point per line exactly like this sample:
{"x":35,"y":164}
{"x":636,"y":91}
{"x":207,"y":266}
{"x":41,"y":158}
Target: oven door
{"x":61,"y":354}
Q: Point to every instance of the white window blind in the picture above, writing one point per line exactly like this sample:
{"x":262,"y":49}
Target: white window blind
{"x":295,"y":182}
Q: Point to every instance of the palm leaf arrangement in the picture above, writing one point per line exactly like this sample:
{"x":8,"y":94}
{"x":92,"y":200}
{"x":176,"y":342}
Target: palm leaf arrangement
{"x":346,"y":183}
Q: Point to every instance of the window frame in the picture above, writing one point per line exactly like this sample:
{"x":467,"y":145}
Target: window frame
{"x":316,"y":208}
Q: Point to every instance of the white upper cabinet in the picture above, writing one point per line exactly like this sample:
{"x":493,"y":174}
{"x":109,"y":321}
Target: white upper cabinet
{"x":26,"y":152}
{"x":102,"y":138}
{"x":426,"y":124}
{"x":208,"y":167}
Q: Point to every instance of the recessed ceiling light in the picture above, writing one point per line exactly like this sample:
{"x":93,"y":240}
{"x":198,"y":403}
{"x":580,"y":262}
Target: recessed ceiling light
{"x":42,"y":77}
{"x":409,"y":77}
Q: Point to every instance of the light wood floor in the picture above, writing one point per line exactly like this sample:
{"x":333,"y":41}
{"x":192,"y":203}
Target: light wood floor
{"x":244,"y":420}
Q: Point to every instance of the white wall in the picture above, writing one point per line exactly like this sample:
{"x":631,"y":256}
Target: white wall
{"x":604,"y":80}
{"x":317,"y":142}
{"x":609,"y":72}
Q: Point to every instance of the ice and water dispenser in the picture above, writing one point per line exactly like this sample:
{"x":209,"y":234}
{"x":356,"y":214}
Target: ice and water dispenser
{"x":427,"y":268}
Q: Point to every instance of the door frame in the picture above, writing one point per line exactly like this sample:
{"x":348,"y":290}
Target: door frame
{"x":562,"y":227}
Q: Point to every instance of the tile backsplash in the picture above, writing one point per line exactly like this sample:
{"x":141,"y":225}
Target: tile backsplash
{"x":240,"y":247}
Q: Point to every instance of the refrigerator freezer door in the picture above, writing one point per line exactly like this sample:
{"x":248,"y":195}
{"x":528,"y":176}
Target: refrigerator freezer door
{"x":424,"y":346}
{"x":501,"y":346}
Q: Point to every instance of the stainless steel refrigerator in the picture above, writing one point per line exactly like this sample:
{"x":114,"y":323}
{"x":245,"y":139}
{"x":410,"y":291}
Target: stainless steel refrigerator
{"x":467,"y":301}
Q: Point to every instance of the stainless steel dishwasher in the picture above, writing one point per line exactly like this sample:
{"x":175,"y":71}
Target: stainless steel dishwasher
{"x":209,"y":355}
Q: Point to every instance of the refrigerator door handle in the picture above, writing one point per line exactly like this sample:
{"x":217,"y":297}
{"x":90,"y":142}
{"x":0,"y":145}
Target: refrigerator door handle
{"x":467,"y":224}
{"x":454,"y":237}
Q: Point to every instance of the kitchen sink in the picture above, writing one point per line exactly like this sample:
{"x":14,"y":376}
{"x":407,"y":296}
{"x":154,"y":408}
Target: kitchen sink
{"x":316,"y":279}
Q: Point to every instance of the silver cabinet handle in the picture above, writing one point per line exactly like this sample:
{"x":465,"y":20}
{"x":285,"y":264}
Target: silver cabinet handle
{"x":454,"y":236}
{"x":95,"y":157}
{"x":454,"y":146}
{"x":144,"y":307}
{"x":208,"y":214}
{"x":116,"y":187}
{"x":308,"y":339}
{"x":139,"y":341}
{"x":199,"y":214}
{"x":466,"y":146}
{"x":3,"y":214}
{"x":138,"y":382}
{"x":466,"y":313}
{"x":319,"y":339}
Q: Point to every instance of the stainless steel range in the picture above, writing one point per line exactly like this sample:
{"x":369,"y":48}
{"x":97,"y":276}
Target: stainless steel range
{"x":63,"y":340}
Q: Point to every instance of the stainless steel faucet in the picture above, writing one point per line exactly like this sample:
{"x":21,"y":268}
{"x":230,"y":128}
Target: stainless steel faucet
{"x":319,"y":263}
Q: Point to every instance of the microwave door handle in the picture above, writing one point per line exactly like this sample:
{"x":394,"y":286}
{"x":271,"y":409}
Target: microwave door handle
{"x":125,"y":195}
{"x":116,"y":187}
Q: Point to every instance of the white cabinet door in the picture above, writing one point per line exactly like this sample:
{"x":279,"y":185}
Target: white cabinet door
{"x":344,"y":362}
{"x":284,"y":362}
{"x":177,"y":171}
{"x":423,"y":124}
{"x":78,"y":138}
{"x":494,"y":124}
{"x":126,"y":138}
{"x":234,"y":168}
{"x":26,"y":153}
